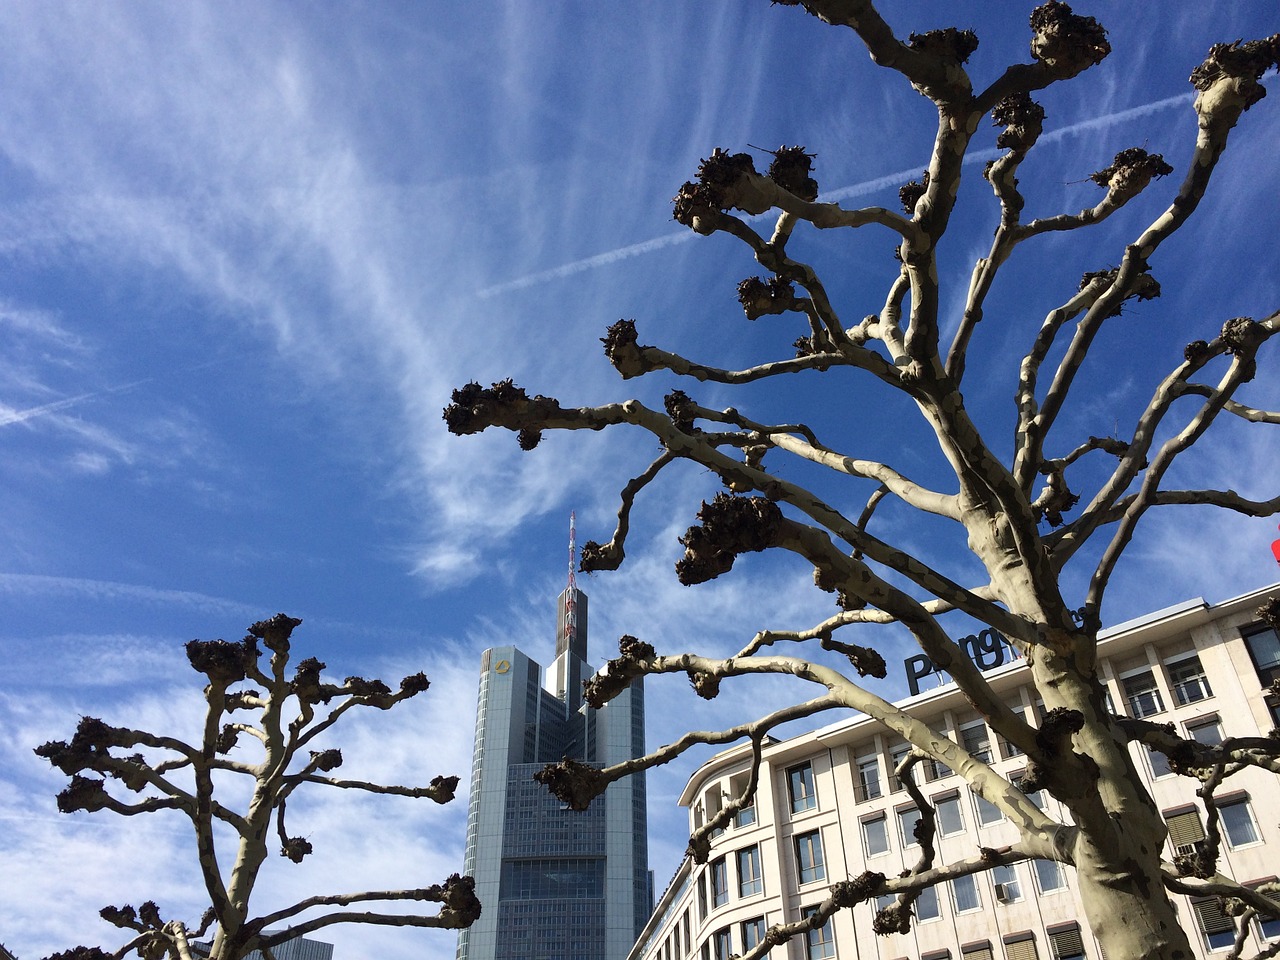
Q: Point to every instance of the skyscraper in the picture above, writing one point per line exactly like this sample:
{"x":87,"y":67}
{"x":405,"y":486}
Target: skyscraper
{"x":555,"y":884}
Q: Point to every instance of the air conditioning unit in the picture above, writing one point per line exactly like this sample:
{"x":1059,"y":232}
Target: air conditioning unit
{"x":1002,"y":892}
{"x":1185,"y":849}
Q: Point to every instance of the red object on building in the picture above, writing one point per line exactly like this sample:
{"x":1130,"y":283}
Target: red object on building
{"x":1275,"y":549}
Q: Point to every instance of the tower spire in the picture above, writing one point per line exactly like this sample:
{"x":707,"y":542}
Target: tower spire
{"x":573,"y":551}
{"x":571,"y":591}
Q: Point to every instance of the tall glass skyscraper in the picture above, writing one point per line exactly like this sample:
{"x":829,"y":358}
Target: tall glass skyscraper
{"x":554,"y":884}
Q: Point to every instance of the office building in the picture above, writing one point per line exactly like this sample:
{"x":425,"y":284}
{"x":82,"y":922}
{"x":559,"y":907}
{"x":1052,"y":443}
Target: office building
{"x":828,"y":808}
{"x":554,"y":884}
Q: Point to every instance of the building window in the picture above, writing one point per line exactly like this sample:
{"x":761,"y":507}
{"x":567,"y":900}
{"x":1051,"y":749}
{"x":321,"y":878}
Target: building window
{"x":1185,"y":830}
{"x":875,"y":836}
{"x":685,"y":926}
{"x":706,"y":950}
{"x":1208,"y":732}
{"x":988,"y":812}
{"x":749,"y":881}
{"x":1050,"y":876}
{"x":721,"y":944}
{"x":934,"y":769}
{"x":752,"y":932}
{"x":1218,"y":929}
{"x":964,"y":892}
{"x":976,"y":740}
{"x":719,"y":883}
{"x":1264,"y":649}
{"x":809,"y":857}
{"x":885,"y":901}
{"x":1035,"y":796}
{"x":927,"y":904}
{"x":977,"y":951}
{"x":1021,"y":946}
{"x":1189,"y":683}
{"x":896,"y":755}
{"x":950,"y":819}
{"x":1142,"y":695}
{"x":1007,"y":748}
{"x":907,"y":820}
{"x":1159,"y":763}
{"x":1065,"y":942}
{"x":1268,"y":927}
{"x":867,"y":786}
{"x":1238,"y":823}
{"x":746,"y":816}
{"x":1007,"y":887}
{"x":800,"y":785}
{"x":819,"y":944}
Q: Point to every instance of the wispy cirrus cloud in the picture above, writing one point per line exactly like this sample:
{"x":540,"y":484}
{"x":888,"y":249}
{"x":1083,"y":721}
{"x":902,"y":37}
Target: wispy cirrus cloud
{"x":887,"y":181}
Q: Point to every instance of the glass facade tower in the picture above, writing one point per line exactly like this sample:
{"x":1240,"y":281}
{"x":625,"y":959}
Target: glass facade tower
{"x":554,"y":884}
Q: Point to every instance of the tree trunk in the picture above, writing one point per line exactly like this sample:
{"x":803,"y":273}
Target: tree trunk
{"x":1124,"y":899}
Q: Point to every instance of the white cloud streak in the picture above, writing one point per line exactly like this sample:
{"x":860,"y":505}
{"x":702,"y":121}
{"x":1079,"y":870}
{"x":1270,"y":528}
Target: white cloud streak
{"x":874,"y":185}
{"x":28,"y":584}
{"x":9,"y":416}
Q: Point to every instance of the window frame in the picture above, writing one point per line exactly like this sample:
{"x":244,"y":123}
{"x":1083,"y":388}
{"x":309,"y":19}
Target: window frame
{"x":908,"y":837}
{"x":1011,"y":871}
{"x":982,"y":741}
{"x":1133,"y":698}
{"x":722,"y":944}
{"x":1209,"y":913}
{"x":1180,"y":681}
{"x":929,"y":895}
{"x":1183,"y":824}
{"x":758,"y":929}
{"x":1235,"y":802}
{"x":981,"y":803}
{"x":1066,"y":941}
{"x":1259,"y":924}
{"x":718,"y":871}
{"x":802,"y":787}
{"x":1270,"y":670}
{"x":756,"y":878}
{"x":952,"y":801}
{"x":1204,"y":723}
{"x":809,"y":842}
{"x":882,"y":821}
{"x":897,"y":754}
{"x":819,"y":942}
{"x":1054,"y":870}
{"x":971,"y":883}
{"x":867,"y":788}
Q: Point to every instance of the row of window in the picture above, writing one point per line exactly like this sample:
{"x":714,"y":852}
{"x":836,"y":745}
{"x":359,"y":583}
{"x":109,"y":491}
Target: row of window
{"x":1064,"y":942}
{"x":1238,"y":824}
{"x":1143,"y":698}
{"x":1186,"y":679}
{"x":720,"y":945}
{"x":1219,"y":930}
{"x":714,"y":882}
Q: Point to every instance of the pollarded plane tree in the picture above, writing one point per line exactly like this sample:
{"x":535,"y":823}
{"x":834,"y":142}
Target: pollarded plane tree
{"x":278,"y":717}
{"x":1025,"y":515}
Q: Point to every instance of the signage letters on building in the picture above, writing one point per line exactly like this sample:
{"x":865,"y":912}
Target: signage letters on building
{"x":988,"y":650}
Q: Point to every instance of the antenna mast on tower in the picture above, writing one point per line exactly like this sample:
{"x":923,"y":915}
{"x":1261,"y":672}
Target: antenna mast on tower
{"x":571,"y":592}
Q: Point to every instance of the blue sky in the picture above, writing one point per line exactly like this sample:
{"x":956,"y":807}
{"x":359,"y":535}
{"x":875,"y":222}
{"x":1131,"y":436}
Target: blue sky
{"x":247,"y":249}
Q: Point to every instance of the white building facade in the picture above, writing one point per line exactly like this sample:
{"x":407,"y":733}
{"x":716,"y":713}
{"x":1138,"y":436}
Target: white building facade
{"x":827,"y":808}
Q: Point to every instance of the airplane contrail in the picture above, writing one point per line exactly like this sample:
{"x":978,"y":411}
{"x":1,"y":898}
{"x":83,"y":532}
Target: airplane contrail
{"x":842,"y":193}
{"x":18,"y":416}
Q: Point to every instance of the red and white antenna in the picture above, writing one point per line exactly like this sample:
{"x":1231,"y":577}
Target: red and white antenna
{"x":571,"y":593}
